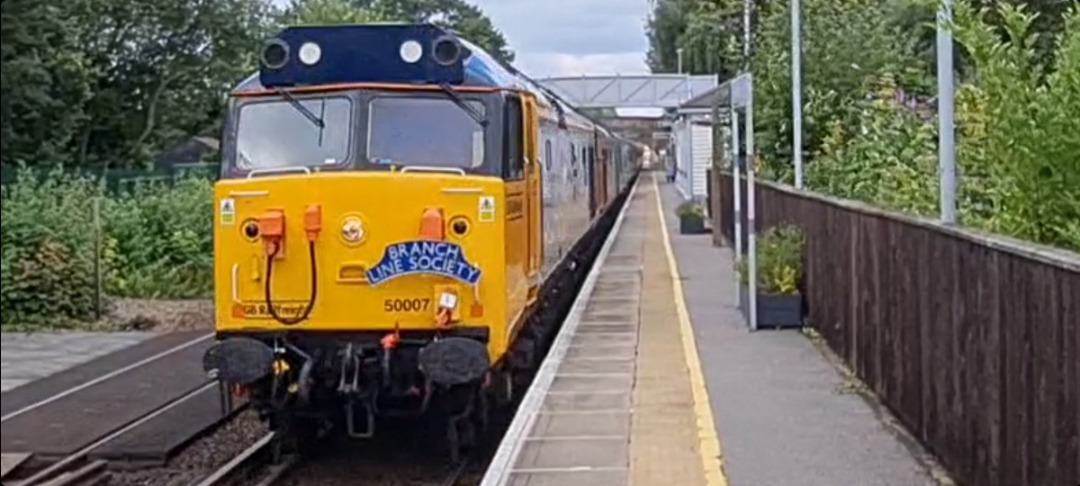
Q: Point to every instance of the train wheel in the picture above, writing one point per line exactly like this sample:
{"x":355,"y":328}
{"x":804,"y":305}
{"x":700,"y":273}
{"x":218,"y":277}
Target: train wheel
{"x":462,"y":425}
{"x":296,"y":435}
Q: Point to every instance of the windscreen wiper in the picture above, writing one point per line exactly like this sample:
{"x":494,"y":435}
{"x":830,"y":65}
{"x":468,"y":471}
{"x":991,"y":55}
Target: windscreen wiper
{"x":462,"y":104}
{"x":301,"y":108}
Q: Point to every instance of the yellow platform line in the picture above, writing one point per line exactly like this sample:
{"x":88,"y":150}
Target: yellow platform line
{"x":712,"y":459}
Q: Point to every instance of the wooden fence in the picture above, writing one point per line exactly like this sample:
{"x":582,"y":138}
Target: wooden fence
{"x":972,"y":341}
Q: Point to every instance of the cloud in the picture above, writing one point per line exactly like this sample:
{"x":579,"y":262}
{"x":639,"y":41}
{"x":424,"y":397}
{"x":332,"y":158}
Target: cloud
{"x":544,"y":65}
{"x":573,"y":37}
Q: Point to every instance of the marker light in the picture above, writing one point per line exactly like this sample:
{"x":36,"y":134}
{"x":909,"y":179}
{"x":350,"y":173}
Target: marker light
{"x":275,"y":54}
{"x":352,"y":230}
{"x":411,"y":51}
{"x":310,"y":53}
{"x":446,"y":50}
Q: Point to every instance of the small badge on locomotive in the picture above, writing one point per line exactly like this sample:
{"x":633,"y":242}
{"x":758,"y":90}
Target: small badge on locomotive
{"x":423,"y":256}
{"x":228,"y":211}
{"x":487,"y":209}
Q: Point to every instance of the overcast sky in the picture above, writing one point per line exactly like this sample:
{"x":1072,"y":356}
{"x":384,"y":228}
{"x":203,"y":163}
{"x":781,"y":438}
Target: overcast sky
{"x":571,"y":37}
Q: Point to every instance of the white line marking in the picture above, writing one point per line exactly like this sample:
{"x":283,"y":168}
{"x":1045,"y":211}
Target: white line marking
{"x":610,"y":334}
{"x":102,"y":378}
{"x":498,"y":473}
{"x":604,"y":411}
{"x":604,"y":345}
{"x":576,"y":438}
{"x":544,"y":470}
{"x":574,"y":359}
{"x":595,"y":375}
{"x":586,"y":392}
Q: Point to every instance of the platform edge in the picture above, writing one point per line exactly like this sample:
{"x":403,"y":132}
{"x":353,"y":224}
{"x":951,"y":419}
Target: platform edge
{"x":498,"y":472}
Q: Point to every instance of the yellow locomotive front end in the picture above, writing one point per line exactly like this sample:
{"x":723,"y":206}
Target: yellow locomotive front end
{"x":391,"y":251}
{"x":374,"y":243}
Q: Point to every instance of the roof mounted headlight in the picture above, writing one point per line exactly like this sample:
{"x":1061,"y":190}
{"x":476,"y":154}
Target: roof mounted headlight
{"x":411,"y":51}
{"x":310,"y":53}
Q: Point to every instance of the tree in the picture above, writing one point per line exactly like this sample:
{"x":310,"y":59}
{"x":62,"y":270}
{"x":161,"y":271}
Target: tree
{"x":111,"y":83}
{"x":666,"y":24}
{"x":45,"y":80}
{"x":328,"y":12}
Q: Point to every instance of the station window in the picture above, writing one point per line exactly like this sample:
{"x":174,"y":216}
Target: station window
{"x":513,"y":148}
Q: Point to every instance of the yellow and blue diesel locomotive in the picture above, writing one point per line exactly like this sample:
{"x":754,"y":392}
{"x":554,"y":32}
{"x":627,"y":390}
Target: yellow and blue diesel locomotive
{"x":396,"y":214}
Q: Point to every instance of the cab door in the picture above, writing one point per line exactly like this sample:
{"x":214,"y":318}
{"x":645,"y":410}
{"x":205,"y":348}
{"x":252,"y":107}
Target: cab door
{"x":533,"y":202}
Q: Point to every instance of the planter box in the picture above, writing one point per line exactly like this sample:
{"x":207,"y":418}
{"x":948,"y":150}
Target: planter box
{"x":691,"y":226}
{"x":778,"y":311}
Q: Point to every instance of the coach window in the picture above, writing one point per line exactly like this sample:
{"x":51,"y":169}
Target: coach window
{"x":547,"y":154}
{"x":513,"y":148}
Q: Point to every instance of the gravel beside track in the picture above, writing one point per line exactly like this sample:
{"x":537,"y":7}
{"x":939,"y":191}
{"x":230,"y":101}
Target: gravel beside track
{"x":199,"y":458}
{"x":159,"y":315}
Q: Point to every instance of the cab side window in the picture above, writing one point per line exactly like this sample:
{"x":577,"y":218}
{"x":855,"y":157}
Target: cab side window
{"x":513,"y":140}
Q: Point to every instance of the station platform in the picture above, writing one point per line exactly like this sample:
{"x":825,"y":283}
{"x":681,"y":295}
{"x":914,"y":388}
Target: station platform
{"x":655,"y":379}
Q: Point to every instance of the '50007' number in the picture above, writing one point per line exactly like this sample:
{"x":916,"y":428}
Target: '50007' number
{"x":406,"y":305}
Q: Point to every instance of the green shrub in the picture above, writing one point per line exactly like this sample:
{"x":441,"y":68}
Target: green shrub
{"x":155,"y":242}
{"x":690,"y":210}
{"x":159,"y":239}
{"x":871,"y":127}
{"x":779,"y":261}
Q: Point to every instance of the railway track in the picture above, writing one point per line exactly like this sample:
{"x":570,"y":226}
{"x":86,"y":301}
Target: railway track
{"x":255,"y":466}
{"x":80,"y":468}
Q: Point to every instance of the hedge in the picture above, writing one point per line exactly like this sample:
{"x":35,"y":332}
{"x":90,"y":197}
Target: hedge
{"x":152,"y":239}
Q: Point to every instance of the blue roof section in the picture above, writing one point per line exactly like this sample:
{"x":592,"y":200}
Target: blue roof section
{"x":360,"y":53}
{"x":483,"y":70}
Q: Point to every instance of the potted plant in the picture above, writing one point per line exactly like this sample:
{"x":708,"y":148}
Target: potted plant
{"x":691,"y":218}
{"x":779,"y":272}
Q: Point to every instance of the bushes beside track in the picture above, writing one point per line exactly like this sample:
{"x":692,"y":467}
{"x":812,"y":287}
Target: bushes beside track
{"x":70,"y":244}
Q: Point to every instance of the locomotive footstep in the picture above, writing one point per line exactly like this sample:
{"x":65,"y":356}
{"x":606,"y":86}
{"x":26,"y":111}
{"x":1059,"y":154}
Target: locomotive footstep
{"x":454,"y":360}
